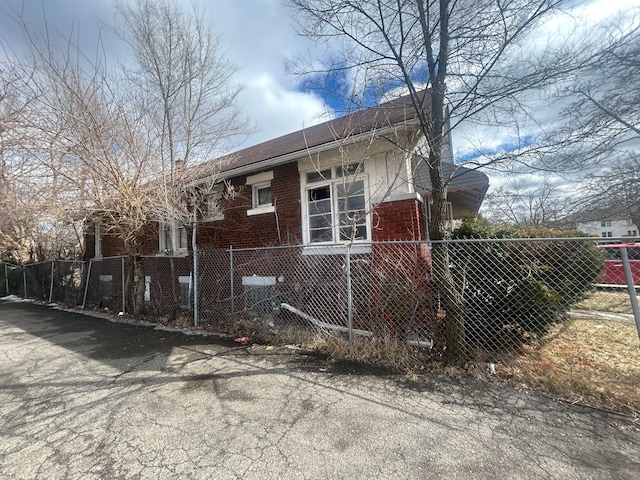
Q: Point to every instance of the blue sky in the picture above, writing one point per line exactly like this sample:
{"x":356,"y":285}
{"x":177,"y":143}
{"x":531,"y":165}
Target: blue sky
{"x":259,"y":37}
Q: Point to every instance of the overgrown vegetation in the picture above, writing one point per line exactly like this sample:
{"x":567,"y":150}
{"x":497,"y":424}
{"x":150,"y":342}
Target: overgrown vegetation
{"x":514,"y":291}
{"x":590,"y":362}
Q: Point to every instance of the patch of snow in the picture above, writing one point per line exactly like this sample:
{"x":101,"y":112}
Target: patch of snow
{"x":16,"y":299}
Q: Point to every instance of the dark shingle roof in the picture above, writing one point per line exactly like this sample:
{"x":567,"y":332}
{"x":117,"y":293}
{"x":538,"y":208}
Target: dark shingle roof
{"x":392,"y":113}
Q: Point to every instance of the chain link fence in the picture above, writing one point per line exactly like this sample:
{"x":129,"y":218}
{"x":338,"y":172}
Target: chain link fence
{"x":380,"y":302}
{"x":58,"y":281}
{"x":385,"y":299}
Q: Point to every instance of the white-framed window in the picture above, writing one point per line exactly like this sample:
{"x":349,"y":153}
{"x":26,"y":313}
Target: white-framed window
{"x":214,"y":206}
{"x":98,"y":240}
{"x":336,"y":205}
{"x":173,"y":237}
{"x":261,"y":195}
{"x":261,"y":200}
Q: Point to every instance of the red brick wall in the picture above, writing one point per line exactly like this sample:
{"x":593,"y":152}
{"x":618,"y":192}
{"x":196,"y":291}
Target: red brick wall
{"x":240,"y":230}
{"x":112,"y":245}
{"x":398,"y":220}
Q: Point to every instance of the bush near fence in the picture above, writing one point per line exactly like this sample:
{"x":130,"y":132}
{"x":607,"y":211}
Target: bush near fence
{"x":11,"y":279}
{"x":521,"y":283}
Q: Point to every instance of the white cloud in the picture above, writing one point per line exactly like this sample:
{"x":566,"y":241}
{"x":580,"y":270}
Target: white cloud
{"x":257,"y":36}
{"x":277,"y":109}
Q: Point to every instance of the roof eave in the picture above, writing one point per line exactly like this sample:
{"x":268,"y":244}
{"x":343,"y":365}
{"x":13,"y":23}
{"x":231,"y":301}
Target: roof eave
{"x":288,"y":157}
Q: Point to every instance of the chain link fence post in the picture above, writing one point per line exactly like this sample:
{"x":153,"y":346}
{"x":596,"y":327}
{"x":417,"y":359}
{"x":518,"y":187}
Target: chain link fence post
{"x":347,"y":259}
{"x":51,"y":281}
{"x":6,"y":278}
{"x":231,"y":279}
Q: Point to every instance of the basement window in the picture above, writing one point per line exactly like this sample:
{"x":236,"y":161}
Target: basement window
{"x":259,"y":293}
{"x":106,"y":283}
{"x":185,"y":291}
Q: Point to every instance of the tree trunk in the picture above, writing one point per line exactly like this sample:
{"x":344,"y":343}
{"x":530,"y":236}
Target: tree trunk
{"x":455,"y":343}
{"x":135,"y":284}
{"x":450,"y":294}
{"x":139,"y":285}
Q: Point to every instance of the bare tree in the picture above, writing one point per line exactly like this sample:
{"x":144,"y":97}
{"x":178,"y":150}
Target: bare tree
{"x":535,"y":205}
{"x":99,"y":133}
{"x":184,"y":85}
{"x":29,"y":231}
{"x":475,"y":60}
{"x":600,"y":129}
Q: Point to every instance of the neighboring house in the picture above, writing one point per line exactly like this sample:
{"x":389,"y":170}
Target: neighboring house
{"x":603,"y":223}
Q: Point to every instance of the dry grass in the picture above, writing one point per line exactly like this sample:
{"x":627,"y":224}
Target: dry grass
{"x":607,"y":301}
{"x":590,"y":362}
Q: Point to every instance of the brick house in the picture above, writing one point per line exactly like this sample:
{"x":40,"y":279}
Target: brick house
{"x":358,"y":178}
{"x":355,"y":178}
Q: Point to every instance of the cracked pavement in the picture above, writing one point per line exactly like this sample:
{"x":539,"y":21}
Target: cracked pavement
{"x":84,"y":398}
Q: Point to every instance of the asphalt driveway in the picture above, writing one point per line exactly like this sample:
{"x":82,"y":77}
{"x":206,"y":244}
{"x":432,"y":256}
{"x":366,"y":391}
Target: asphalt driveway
{"x":84,"y":398}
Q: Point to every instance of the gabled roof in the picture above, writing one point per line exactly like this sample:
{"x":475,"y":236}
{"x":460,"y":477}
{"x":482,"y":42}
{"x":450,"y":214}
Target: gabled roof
{"x":287,"y":147}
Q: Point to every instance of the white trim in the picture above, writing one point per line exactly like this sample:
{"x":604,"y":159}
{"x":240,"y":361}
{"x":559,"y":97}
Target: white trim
{"x":305,"y":152}
{"x":260,"y":178}
{"x":179,"y":254}
{"x":333,"y":249}
{"x":402,"y":197}
{"x":261,"y":210}
{"x":97,"y":240}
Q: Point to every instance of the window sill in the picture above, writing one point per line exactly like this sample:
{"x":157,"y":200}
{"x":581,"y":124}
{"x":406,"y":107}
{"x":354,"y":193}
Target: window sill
{"x":333,"y":249}
{"x":261,"y":210}
{"x":214,"y":218}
